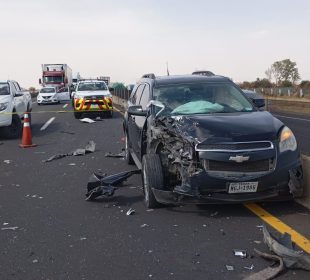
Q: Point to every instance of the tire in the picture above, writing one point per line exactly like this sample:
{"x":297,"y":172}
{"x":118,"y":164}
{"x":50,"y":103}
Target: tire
{"x":77,"y":115}
{"x":110,"y":114}
{"x":15,"y":129}
{"x":128,"y":156}
{"x":152,"y":177}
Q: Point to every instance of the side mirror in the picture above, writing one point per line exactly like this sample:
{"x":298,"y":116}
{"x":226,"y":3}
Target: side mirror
{"x":259,"y":103}
{"x":40,"y":81}
{"x":19,"y":93}
{"x":136,"y":111}
{"x":111,"y":89}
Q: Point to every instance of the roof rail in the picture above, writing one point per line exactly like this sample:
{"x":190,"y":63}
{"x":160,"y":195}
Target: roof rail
{"x":203,"y":73}
{"x":149,"y":76}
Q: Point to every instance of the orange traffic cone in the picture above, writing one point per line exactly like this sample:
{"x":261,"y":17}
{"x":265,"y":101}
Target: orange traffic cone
{"x":27,"y":138}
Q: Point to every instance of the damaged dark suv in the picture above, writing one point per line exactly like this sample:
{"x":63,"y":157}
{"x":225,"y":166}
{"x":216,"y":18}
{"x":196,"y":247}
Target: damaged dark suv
{"x":199,"y":139}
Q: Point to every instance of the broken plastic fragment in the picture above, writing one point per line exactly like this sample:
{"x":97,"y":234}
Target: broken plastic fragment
{"x":229,"y":267}
{"x":131,"y":212}
{"x":87,"y":120}
{"x":9,"y":228}
{"x":101,"y":185}
{"x":89,"y":148}
{"x":7,"y":161}
{"x":240,"y":253}
{"x":249,"y":267}
{"x":283,"y":247}
{"x":269,"y":272}
{"x":119,"y":155}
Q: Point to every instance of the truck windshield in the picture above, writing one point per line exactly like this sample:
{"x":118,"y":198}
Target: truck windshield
{"x":92,"y":86}
{"x":207,"y":98}
{"x":53,"y":79}
{"x":4,"y":89}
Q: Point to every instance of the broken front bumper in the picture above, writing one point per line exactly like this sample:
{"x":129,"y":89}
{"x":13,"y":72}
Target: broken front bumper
{"x":284,"y":183}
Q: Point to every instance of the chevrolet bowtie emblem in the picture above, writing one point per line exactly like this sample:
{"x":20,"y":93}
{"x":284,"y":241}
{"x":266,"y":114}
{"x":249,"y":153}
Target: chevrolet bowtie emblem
{"x":239,"y":159}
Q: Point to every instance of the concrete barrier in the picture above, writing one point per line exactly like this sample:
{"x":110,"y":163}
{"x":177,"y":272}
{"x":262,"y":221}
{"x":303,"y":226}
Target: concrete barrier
{"x":305,"y":201}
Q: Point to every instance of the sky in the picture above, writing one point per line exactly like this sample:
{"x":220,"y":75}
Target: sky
{"x":126,"y":39}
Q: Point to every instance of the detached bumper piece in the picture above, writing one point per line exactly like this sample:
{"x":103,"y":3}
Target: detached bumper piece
{"x":101,"y":185}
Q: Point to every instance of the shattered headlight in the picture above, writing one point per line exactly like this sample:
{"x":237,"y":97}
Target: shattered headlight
{"x":3,"y":106}
{"x":287,"y":140}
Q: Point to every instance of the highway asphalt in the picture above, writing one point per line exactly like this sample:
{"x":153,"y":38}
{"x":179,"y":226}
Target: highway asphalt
{"x":49,"y":232}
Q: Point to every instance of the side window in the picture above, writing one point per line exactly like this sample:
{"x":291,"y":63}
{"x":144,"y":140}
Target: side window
{"x":136,"y":98}
{"x":13,"y":88}
{"x":17,"y":86}
{"x":145,"y":97}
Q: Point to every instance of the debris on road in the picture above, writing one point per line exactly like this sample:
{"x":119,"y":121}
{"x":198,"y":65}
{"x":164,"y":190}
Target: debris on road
{"x":9,"y":228}
{"x":7,"y":161}
{"x":67,"y":132}
{"x":65,"y":106}
{"x":230,"y":267}
{"x":87,"y":120}
{"x":249,"y":267}
{"x":240,"y":253}
{"x":35,"y":261}
{"x":269,"y":272}
{"x":285,"y":255}
{"x":101,"y":185}
{"x":119,"y":155}
{"x":144,"y":225}
{"x":89,"y":148}
{"x":283,"y":247}
{"x":72,"y":164}
{"x":131,"y":212}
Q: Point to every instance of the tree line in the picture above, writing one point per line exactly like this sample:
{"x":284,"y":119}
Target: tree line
{"x":282,"y":73}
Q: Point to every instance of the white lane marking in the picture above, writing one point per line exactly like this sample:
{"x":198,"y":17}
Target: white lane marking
{"x":65,"y":106}
{"x":299,"y":119}
{"x":47,"y":123}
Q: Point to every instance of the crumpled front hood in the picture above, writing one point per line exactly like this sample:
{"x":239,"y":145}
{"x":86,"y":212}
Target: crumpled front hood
{"x":235,"y":127}
{"x":93,"y":93}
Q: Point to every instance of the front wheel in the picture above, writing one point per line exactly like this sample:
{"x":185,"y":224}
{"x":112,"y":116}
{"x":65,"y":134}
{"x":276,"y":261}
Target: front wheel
{"x":77,"y":115}
{"x":15,"y":129}
{"x":152,"y":176}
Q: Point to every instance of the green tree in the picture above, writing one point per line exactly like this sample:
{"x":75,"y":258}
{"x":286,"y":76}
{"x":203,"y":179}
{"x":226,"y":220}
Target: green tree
{"x":283,"y":71}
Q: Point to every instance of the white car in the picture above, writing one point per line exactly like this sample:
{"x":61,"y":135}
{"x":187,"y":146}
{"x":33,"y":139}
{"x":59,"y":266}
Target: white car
{"x":47,"y":95}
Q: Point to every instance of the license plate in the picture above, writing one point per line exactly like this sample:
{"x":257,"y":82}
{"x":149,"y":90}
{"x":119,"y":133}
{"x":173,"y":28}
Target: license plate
{"x":243,"y":187}
{"x":94,"y":106}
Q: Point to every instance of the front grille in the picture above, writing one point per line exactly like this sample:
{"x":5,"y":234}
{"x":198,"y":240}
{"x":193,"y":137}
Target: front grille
{"x":235,"y":146}
{"x":95,"y":97}
{"x":243,"y":167}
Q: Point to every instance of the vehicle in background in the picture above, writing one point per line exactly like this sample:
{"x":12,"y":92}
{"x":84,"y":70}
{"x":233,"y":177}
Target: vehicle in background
{"x":257,"y":99}
{"x":92,"y":96}
{"x":198,"y":139}
{"x":14,"y":102}
{"x":75,"y":78}
{"x":56,"y":75}
{"x":47,"y":95}
{"x":106,"y":79}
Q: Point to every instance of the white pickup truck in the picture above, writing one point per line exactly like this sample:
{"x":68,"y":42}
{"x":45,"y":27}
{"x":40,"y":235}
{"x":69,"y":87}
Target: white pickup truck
{"x":14,"y":102}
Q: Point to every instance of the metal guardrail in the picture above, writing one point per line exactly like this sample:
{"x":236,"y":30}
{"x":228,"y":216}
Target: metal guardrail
{"x":121,"y":93}
{"x":284,"y":92}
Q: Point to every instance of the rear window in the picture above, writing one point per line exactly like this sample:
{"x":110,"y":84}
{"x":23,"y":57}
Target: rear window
{"x":4,"y":89}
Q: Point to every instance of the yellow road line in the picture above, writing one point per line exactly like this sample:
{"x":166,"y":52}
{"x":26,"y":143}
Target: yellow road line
{"x":299,"y":239}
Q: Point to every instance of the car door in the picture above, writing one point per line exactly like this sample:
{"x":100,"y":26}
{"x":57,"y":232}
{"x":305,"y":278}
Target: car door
{"x":63,"y":94}
{"x":133,"y":132}
{"x":139,"y":121}
{"x":18,"y":99}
